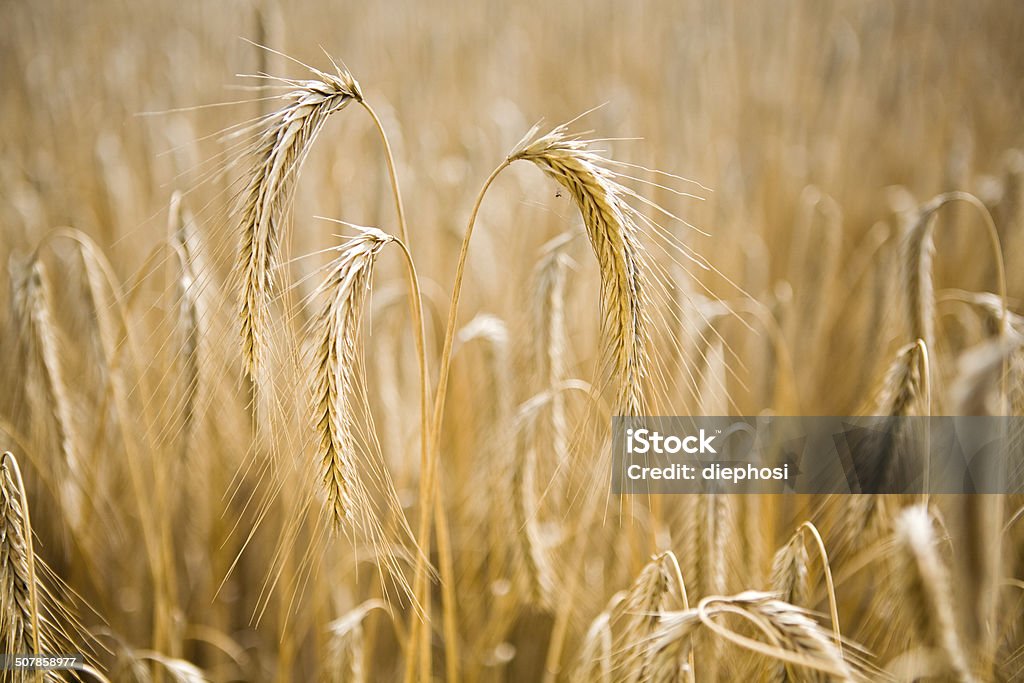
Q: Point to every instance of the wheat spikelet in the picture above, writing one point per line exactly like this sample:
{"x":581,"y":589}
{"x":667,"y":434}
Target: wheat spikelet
{"x":285,"y":138}
{"x":614,"y":237}
{"x":335,"y":359}
{"x":927,"y":587}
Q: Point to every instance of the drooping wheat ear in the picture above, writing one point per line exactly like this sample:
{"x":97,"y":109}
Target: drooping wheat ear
{"x":284,"y":140}
{"x":917,"y":257}
{"x":927,"y":589}
{"x":902,"y":393}
{"x":790,"y":580}
{"x":550,"y":337}
{"x":796,"y":639}
{"x":20,"y":618}
{"x":614,"y":237}
{"x":658,"y":589}
{"x":892,"y":461}
{"x":39,"y":333}
{"x":883,"y":461}
{"x":336,"y":357}
{"x":793,"y":637}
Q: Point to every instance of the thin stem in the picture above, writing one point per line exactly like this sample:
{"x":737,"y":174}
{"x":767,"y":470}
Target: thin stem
{"x":453,"y":311}
{"x":830,"y":585}
{"x":416,"y":301}
{"x":420,"y":585}
{"x":403,"y":233}
{"x":427,"y":482}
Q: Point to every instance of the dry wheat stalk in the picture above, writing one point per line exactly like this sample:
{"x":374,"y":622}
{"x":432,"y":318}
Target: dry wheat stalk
{"x":335,"y":360}
{"x":927,"y":589}
{"x":614,"y":236}
{"x":285,"y":138}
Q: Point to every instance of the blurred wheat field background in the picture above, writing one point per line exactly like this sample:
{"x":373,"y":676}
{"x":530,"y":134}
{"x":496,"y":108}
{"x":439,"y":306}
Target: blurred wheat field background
{"x":251,"y":438}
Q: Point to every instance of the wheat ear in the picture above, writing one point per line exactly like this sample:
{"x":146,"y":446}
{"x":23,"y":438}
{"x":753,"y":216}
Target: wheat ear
{"x":918,"y":255}
{"x":284,"y":140}
{"x":658,"y":589}
{"x":36,"y":311}
{"x":614,"y":237}
{"x":551,"y":344}
{"x":335,"y":361}
{"x":928,"y":589}
{"x":20,"y":619}
{"x":189,"y":318}
{"x":346,"y":647}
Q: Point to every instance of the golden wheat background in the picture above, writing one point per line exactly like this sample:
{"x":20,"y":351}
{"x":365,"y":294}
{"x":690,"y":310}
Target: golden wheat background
{"x":251,"y":440}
